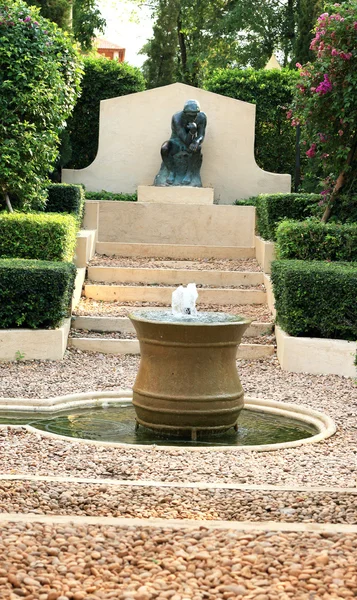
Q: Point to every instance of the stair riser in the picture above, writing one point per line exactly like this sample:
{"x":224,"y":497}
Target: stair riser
{"x":123,"y":324}
{"x":174,"y":276}
{"x":245,"y":351}
{"x":180,"y":252}
{"x":113,"y":293}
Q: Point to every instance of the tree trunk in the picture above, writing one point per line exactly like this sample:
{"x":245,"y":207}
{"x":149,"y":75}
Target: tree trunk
{"x":8,"y":203}
{"x":339,"y":183}
{"x":182,"y":44}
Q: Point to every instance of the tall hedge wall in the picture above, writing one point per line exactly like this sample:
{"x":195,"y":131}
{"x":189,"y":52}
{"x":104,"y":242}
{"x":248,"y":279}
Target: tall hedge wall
{"x":316,"y":298}
{"x":38,"y":236}
{"x":35,"y":294}
{"x":102,"y":79}
{"x":271,"y":91}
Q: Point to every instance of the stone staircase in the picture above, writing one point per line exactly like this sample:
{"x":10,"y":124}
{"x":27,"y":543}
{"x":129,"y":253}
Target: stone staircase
{"x":117,"y":284}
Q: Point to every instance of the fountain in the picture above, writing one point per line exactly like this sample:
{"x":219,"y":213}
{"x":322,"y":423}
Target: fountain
{"x":187,"y":380}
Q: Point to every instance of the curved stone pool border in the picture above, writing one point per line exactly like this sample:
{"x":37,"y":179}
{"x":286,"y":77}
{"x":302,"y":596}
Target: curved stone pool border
{"x":321,"y":421}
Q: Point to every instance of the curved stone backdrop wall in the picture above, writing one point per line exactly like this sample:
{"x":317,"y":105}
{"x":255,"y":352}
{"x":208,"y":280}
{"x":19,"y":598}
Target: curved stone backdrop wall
{"x":132,"y":129}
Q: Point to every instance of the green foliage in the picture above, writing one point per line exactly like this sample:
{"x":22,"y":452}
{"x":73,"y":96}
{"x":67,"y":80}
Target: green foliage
{"x":63,"y":197}
{"x":102,"y":79}
{"x":86,"y":18}
{"x":325,"y":103}
{"x":306,"y":15}
{"x":273,"y":208}
{"x":39,"y":81}
{"x":313,"y":240}
{"x":246,"y":202}
{"x":272,"y":92}
{"x":185,"y":41}
{"x":57,"y":11}
{"x":260,"y":29}
{"x":38,"y":236}
{"x":35,"y":294}
{"x":103,"y":195}
{"x":316,"y":299}
{"x":191,"y":37}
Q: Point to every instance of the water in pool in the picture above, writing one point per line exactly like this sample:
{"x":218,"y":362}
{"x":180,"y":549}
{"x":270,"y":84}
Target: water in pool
{"x":116,"y":423}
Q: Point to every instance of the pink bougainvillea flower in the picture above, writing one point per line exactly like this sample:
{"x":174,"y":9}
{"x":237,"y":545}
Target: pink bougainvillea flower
{"x":311,"y":152}
{"x":324,"y":87}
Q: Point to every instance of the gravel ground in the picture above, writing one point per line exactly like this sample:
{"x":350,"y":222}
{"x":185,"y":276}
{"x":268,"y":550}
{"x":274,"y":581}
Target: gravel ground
{"x":107,"y":335}
{"x":332,"y":462}
{"x":89,"y":307}
{"x":77,"y":562}
{"x":125,"y":335}
{"x":206,"y":264}
{"x":199,"y":286}
{"x":53,"y":498}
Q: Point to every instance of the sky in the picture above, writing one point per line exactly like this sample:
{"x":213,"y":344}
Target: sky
{"x":128,"y":25}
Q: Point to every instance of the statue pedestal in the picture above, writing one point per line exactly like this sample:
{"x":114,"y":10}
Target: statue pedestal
{"x":175,"y":195}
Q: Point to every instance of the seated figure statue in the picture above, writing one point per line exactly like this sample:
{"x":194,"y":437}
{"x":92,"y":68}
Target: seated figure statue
{"x":181,"y":154}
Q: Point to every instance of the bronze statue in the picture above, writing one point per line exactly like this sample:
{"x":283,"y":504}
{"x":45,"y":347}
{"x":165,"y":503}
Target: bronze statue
{"x":181,"y":154}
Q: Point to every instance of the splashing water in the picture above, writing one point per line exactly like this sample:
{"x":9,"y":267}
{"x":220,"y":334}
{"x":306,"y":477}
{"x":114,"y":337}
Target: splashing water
{"x":184,"y":300}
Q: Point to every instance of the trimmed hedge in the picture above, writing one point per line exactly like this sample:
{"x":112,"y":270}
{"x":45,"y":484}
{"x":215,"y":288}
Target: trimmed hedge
{"x":38,"y":236}
{"x":316,"y":299}
{"x":273,"y":208}
{"x":102,"y":79}
{"x":63,"y":197}
{"x":35,"y":294}
{"x":313,"y":240}
{"x":103,"y":195}
{"x":249,"y":202}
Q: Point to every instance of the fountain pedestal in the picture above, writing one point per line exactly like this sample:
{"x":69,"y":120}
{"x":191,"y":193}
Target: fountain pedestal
{"x":188,"y":379}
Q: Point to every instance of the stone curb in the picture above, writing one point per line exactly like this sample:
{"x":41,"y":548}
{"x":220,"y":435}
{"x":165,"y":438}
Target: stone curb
{"x":180,"y":524}
{"x":244,"y":487}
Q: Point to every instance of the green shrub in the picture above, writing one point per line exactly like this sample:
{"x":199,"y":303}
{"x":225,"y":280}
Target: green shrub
{"x":273,"y":208}
{"x":103,"y":195}
{"x":272,"y":92}
{"x":313,"y":240}
{"x":102,"y":79}
{"x":38,"y":236}
{"x":248,"y":202}
{"x":35,"y":294}
{"x":316,"y":299}
{"x":66,"y":198}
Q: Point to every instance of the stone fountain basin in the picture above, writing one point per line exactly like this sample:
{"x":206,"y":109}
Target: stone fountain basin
{"x":52,"y":407}
{"x":188,"y":379}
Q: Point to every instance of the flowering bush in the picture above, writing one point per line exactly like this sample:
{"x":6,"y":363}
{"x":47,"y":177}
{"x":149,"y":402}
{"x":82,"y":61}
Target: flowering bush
{"x":325,"y":103}
{"x":39,"y":82}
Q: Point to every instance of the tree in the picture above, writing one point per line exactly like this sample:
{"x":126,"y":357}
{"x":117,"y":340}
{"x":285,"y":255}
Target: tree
{"x":87,"y":20}
{"x":39,"y":78}
{"x":185,"y":41}
{"x":325,"y":103}
{"x":307,"y":12}
{"x":81,"y":17}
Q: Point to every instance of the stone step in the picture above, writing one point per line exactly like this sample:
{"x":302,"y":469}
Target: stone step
{"x":131,"y":346}
{"x":124,"y":325}
{"x":174,"y":276}
{"x":174,"y":251}
{"x":162,"y":295}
